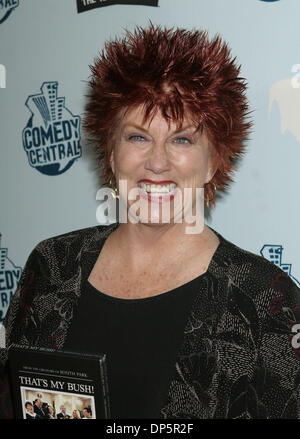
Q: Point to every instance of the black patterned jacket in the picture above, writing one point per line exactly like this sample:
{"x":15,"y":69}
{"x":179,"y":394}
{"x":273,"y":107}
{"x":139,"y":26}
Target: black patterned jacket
{"x":236,"y":359}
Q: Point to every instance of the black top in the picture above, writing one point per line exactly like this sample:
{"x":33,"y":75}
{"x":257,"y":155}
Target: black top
{"x":141,"y":338}
{"x":236,"y":358}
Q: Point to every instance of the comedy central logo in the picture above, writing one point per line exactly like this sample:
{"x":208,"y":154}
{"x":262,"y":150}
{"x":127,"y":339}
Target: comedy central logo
{"x":6,"y":8}
{"x":51,"y":138}
{"x":9,"y":278}
{"x":274,"y":254}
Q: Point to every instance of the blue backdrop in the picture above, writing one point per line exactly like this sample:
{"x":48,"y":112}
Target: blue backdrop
{"x":45,"y":51}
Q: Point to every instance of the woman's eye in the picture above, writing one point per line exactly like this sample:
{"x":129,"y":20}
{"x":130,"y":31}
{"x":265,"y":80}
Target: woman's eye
{"x":136,"y":138}
{"x":182,"y":140}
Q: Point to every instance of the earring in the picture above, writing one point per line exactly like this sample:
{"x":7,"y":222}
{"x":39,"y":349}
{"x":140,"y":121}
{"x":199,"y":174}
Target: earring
{"x":107,"y":210}
{"x":115,"y":193}
{"x":207,"y":199}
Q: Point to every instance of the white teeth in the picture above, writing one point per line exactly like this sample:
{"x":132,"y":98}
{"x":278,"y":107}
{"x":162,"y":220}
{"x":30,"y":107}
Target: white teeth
{"x":158,"y":188}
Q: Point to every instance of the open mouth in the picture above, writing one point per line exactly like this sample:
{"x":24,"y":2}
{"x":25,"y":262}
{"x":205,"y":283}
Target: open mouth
{"x":157,"y":191}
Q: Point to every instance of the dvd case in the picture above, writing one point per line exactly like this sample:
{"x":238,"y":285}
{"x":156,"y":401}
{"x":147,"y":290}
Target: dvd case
{"x":53,"y":384}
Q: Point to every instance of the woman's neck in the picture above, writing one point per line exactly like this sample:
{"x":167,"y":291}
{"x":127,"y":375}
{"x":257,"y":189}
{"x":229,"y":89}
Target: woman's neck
{"x":141,"y":244}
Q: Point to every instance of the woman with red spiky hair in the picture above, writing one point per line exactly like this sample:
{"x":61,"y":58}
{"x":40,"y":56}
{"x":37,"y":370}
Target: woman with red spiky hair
{"x":192,"y":325}
{"x":178,"y":73}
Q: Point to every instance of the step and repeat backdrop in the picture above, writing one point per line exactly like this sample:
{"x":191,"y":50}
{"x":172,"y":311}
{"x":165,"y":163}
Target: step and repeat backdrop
{"x":49,"y":176}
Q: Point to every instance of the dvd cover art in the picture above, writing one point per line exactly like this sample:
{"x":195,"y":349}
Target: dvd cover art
{"x":38,"y":404}
{"x":50,"y":384}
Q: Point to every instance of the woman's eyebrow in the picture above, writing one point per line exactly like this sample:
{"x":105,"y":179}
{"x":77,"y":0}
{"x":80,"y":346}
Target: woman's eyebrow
{"x":136,"y":127}
{"x":178,"y":131}
{"x":182,"y":130}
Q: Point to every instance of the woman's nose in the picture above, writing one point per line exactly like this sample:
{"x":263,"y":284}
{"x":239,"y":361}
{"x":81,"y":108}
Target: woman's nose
{"x":157,"y":160}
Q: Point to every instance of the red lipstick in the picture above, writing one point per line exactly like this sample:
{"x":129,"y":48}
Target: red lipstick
{"x":147,"y":180}
{"x":157,"y":198}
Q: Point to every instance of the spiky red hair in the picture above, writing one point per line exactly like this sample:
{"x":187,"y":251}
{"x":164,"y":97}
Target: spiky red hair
{"x":176,"y":71}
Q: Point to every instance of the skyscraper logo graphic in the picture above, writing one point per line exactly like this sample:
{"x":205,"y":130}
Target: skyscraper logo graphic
{"x":9,"y":277}
{"x":6,"y":8}
{"x":274,"y":254}
{"x":51,"y":138}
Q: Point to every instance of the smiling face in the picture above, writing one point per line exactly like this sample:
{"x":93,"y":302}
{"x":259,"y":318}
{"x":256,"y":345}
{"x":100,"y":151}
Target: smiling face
{"x":29,"y":408}
{"x":86,"y":413}
{"x":159,"y":162}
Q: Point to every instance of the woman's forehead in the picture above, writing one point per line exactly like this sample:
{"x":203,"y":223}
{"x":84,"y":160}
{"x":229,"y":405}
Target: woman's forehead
{"x":138,"y":116}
